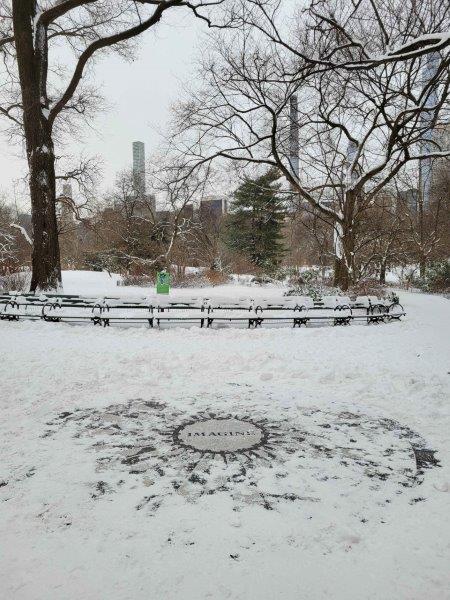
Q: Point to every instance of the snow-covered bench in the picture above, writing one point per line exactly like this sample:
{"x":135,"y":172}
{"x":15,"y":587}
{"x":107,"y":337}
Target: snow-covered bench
{"x":206,"y":312}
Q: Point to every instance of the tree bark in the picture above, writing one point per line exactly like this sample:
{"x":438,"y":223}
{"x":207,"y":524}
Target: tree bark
{"x":383,"y":272}
{"x":343,"y":272}
{"x":31,"y":51}
{"x":422,"y":266}
{"x":344,"y":266}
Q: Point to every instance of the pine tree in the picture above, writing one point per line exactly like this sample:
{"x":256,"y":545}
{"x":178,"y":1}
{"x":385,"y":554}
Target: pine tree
{"x":254,"y":226}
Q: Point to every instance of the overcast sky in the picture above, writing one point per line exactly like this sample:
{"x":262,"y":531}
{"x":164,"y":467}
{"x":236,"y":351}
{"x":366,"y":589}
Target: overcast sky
{"x":139,"y":94}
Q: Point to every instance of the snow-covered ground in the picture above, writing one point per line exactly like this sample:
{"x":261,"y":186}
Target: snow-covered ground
{"x":98,"y":500}
{"x":94,"y":283}
{"x":91,"y":282}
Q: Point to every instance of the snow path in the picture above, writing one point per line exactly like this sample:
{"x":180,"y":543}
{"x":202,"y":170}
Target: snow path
{"x":64,"y":538}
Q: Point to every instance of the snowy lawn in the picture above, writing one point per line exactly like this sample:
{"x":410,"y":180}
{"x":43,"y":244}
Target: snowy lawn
{"x":99,"y":499}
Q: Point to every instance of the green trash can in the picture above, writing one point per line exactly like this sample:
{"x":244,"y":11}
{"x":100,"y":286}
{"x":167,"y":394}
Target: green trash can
{"x":162,"y":282}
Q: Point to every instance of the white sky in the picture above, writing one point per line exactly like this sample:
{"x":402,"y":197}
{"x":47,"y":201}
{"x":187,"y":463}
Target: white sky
{"x":139,"y":95}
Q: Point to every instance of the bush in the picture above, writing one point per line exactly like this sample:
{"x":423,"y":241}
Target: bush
{"x":285,"y":273}
{"x":367,"y":287}
{"x":188,"y":280}
{"x":200,"y":280}
{"x":138,"y":280}
{"x":393,"y":297}
{"x":261,"y":279}
{"x":437,"y":278}
{"x":406,"y":275}
{"x":109,"y":261}
{"x":310,"y":283}
{"x":216,"y":277}
{"x":15,"y":282}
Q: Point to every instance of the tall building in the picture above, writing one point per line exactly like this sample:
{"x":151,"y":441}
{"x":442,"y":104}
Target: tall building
{"x":67,"y":190}
{"x":351,"y":176}
{"x":64,"y":207}
{"x":429,"y":71}
{"x":408,"y":199}
{"x":294,"y":146}
{"x":187,"y":212}
{"x":139,"y":168}
{"x":213,"y":208}
{"x":144,"y":206}
{"x":440,"y":167}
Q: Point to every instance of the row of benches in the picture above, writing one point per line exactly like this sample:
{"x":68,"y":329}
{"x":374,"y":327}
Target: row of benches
{"x":198,"y":302}
{"x":300,"y":310}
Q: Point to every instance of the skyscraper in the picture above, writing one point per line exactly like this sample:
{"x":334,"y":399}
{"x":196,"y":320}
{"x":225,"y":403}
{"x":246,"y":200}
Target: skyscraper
{"x":67,"y":190}
{"x":213,"y":208}
{"x":293,"y":136}
{"x":425,"y":167}
{"x":65,"y":211}
{"x":139,"y":168}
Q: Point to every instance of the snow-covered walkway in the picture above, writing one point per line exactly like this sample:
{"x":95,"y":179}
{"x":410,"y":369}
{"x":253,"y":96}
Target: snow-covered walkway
{"x":97,"y":500}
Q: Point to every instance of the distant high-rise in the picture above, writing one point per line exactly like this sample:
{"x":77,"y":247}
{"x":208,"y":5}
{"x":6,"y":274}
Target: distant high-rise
{"x":67,"y":190}
{"x":408,"y":199}
{"x":425,"y":167}
{"x":352,"y":149}
{"x":294,"y":146}
{"x":65,"y":211}
{"x":213,"y":208}
{"x":139,"y":168}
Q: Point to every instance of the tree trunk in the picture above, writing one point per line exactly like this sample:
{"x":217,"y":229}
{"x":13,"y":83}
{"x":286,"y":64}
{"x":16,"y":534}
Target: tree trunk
{"x":344,"y":265}
{"x":31,"y":51}
{"x":45,"y":258}
{"x":344,"y":245}
{"x":422,"y":266}
{"x":382,"y":272}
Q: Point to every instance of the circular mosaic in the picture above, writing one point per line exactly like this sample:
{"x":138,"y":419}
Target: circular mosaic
{"x":220,"y":435}
{"x":264,"y":456}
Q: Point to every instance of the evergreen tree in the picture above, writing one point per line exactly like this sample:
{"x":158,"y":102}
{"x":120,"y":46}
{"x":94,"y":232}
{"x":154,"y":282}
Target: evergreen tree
{"x":254,"y":225}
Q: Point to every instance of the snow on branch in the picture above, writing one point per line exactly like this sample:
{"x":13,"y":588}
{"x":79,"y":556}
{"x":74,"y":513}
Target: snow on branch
{"x":432,"y":42}
{"x":23,"y":231}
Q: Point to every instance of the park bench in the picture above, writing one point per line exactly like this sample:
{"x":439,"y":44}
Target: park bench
{"x":205,"y":312}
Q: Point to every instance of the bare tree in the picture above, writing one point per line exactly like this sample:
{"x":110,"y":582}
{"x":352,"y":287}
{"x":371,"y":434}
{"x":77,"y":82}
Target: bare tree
{"x":358,"y":128}
{"x":207,"y":244}
{"x":14,"y":240}
{"x":8,"y":246}
{"x":379,"y":242}
{"x":332,"y":34}
{"x":133,"y":235}
{"x":39,"y":97}
{"x":425,"y":225}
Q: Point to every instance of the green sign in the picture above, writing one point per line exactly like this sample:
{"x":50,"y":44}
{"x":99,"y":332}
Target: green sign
{"x":162,"y":282}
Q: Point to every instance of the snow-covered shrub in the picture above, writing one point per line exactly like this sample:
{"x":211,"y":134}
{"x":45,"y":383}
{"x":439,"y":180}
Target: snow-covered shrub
{"x":109,"y":260}
{"x":437,"y":277}
{"x":310,"y":283}
{"x":368,"y":287}
{"x":216,"y":277}
{"x":138,"y":280}
{"x":17,"y":282}
{"x":285,"y":273}
{"x":406,"y":275}
{"x":199,"y":280}
{"x":186,"y":280}
{"x":393,"y":297}
{"x":262,"y":279}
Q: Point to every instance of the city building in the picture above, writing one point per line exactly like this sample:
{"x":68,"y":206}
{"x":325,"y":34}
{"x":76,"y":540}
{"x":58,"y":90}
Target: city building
{"x":187,"y":212}
{"x":294,"y":145}
{"x":408,"y":199}
{"x":64,"y":206}
{"x":67,"y":190}
{"x":146,"y":203}
{"x":213,"y":208}
{"x":139,"y":168}
{"x":145,"y":207}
